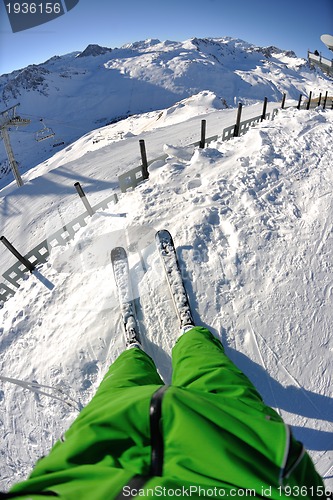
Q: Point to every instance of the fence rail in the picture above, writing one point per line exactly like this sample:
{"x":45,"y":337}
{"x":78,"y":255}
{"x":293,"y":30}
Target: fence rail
{"x":41,"y":252}
{"x":128,"y":180}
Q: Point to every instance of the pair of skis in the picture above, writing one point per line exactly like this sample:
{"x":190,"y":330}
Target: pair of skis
{"x":167,"y":252}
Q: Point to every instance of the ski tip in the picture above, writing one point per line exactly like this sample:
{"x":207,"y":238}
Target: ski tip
{"x":118,"y":253}
{"x":161,"y":231}
{"x":163,"y":234}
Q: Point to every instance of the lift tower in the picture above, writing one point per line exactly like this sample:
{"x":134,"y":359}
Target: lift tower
{"x":8,"y":118}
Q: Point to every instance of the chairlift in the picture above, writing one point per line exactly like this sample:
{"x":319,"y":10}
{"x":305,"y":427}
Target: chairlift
{"x":58,"y":142}
{"x":44,"y":133}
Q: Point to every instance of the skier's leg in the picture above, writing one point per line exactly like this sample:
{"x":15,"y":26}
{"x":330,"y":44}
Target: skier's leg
{"x":133,"y":367}
{"x":131,"y":371}
{"x":199,"y":363}
{"x":114,"y":426}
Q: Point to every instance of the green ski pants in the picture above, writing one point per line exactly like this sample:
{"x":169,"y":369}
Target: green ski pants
{"x":198,"y":361}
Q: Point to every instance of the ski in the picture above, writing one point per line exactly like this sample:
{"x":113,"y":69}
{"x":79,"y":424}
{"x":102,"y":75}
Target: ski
{"x":174,"y":278}
{"x":122,"y":278}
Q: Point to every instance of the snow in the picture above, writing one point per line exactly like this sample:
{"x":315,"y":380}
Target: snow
{"x":252,"y":222}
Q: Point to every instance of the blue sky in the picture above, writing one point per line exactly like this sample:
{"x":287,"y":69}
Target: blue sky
{"x":287,"y":24}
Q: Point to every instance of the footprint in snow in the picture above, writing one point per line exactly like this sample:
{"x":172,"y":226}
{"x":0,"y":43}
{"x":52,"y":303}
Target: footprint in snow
{"x":89,"y":372}
{"x":194,"y":183}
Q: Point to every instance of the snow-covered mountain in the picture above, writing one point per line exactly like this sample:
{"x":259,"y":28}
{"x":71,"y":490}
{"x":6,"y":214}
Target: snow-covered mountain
{"x":78,"y":92}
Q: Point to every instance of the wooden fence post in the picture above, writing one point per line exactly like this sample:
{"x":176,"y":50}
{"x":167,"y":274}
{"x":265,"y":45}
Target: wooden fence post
{"x":145,"y":173}
{"x":83,"y":197}
{"x":17,"y":254}
{"x":263,"y":116}
{"x":309,"y":101}
{"x":203,"y":134}
{"x":238,"y":119}
{"x":283,"y":101}
{"x":299,"y":101}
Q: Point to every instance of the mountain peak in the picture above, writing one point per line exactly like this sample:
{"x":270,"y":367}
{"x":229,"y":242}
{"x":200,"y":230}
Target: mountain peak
{"x":94,"y":50}
{"x":142,"y":44}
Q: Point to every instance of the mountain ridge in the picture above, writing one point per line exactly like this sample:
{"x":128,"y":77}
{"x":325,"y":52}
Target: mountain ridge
{"x":84,"y":90}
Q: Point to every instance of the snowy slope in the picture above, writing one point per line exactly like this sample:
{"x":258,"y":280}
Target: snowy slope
{"x":78,"y":92}
{"x":252,"y":219}
{"x":96,"y":160}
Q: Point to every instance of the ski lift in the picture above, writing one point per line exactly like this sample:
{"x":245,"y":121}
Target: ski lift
{"x":44,"y":133}
{"x":58,"y":142}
